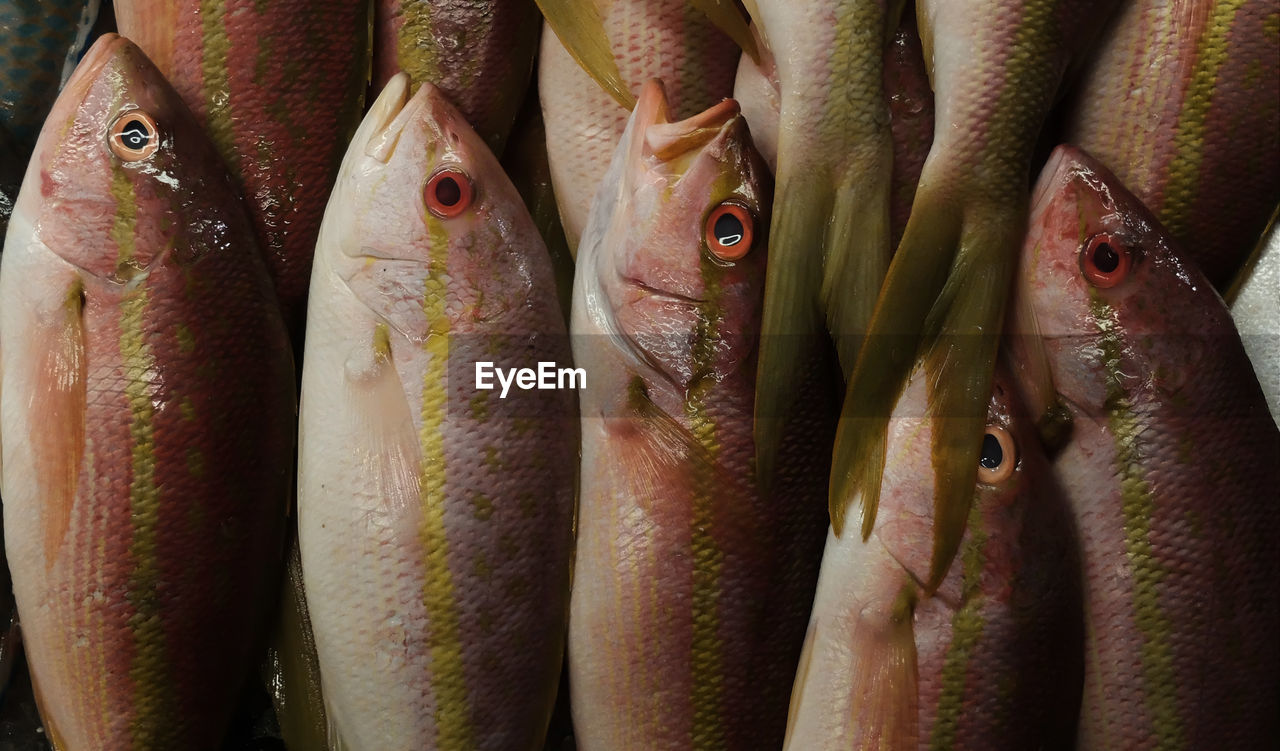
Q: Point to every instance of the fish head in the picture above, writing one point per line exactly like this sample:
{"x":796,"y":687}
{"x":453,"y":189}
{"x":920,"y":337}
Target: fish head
{"x":1012,"y":473}
{"x":419,"y":189}
{"x":1116,"y":308}
{"x":119,"y":158}
{"x":681,"y":257}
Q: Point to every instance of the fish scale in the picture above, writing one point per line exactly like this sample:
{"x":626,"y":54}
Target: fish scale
{"x":435,"y":519}
{"x":147,"y":421}
{"x":479,"y":53}
{"x":889,"y":665}
{"x":691,"y":585}
{"x":1163,"y":104}
{"x":1171,"y":472}
{"x":665,"y":39}
{"x":280,"y":87}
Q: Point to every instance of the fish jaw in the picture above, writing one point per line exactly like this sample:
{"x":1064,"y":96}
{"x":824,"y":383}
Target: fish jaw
{"x":1076,"y":201}
{"x":656,"y":272}
{"x":889,"y":664}
{"x":1169,"y":473}
{"x":147,"y":479}
{"x":435,"y":518}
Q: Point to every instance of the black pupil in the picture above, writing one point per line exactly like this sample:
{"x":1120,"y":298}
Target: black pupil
{"x":135,"y":135}
{"x":1105,"y":258}
{"x":992,"y":453}
{"x":728,"y":230}
{"x":448,"y":192}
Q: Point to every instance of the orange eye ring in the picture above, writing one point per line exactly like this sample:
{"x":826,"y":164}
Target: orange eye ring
{"x":999,"y":457}
{"x":1104,"y":261}
{"x":134,"y":136}
{"x":448,"y":192}
{"x":729,"y":231}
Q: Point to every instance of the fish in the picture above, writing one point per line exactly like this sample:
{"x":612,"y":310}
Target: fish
{"x":435,"y":516}
{"x":993,"y":658}
{"x":996,"y":67}
{"x":40,"y":42}
{"x":909,"y":98}
{"x":291,"y":671}
{"x":525,"y":162}
{"x":147,"y":398}
{"x":830,"y":239}
{"x":480,"y":54}
{"x":667,"y":39}
{"x":280,"y":89}
{"x":1165,"y":104}
{"x":1171,"y":471}
{"x":1255,"y":307}
{"x":691,"y":586}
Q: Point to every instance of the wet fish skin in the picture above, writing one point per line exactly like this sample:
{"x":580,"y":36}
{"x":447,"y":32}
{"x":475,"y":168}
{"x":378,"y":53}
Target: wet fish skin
{"x":1182,"y":102}
{"x":691,"y":586}
{"x":665,"y":39}
{"x":147,"y":409}
{"x":280,"y":88}
{"x":479,"y":53}
{"x":996,"y":67}
{"x":910,"y":102}
{"x":435,"y":519}
{"x":889,"y":665}
{"x":1172,"y":473}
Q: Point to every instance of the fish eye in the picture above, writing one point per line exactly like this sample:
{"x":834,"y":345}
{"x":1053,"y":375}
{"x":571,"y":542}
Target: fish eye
{"x":729,"y":231}
{"x":448,"y":192}
{"x":134,"y":136}
{"x":1105,"y":261}
{"x":999,"y":456}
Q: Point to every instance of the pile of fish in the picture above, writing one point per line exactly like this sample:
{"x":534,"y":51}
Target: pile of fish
{"x":639,"y":376}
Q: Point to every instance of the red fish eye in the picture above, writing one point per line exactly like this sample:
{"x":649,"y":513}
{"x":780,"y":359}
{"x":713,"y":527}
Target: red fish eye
{"x":134,"y":136}
{"x":448,"y":192}
{"x":1105,"y":261}
{"x":729,"y":231}
{"x":999,"y":456}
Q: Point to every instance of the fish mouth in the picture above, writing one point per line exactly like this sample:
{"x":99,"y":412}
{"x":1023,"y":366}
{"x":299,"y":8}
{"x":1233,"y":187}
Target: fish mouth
{"x":662,"y":293}
{"x":669,"y":140}
{"x":394,"y":109}
{"x":384,"y":116}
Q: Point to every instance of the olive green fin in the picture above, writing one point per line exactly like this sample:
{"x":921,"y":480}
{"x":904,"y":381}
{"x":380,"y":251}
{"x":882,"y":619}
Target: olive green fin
{"x":888,"y":356}
{"x":728,"y":18}
{"x":792,"y":323}
{"x":964,"y":337}
{"x":578,"y":25}
{"x":857,"y":260}
{"x":885,"y":691}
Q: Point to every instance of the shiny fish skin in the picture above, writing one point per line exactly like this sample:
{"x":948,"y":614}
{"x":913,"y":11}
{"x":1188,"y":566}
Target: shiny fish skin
{"x":435,"y":520}
{"x":996,"y":67}
{"x":993,"y":659}
{"x":910,"y":102}
{"x":279,"y":86}
{"x":666,"y":39}
{"x":1182,"y":102}
{"x":691,"y":586}
{"x":147,"y":408}
{"x":1172,"y":472}
{"x":478,"y":52}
